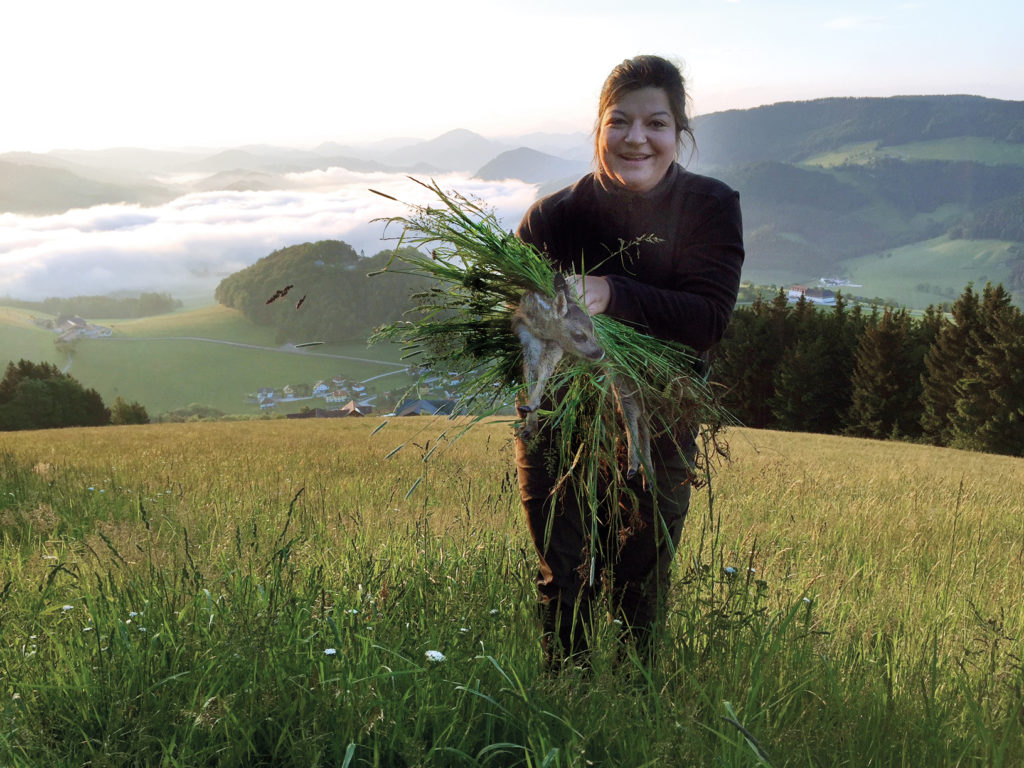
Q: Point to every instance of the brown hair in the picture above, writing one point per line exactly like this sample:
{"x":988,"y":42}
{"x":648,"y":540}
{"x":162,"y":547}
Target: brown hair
{"x":646,"y":72}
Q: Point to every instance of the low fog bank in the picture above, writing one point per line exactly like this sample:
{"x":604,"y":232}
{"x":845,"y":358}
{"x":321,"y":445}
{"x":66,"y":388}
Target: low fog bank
{"x":186,"y":247}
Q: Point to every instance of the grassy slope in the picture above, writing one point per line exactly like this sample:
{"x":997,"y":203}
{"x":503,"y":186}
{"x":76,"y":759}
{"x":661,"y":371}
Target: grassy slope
{"x":980,"y":150}
{"x":905,"y":652}
{"x":21,"y":339}
{"x":164,"y":374}
{"x":945,"y":266}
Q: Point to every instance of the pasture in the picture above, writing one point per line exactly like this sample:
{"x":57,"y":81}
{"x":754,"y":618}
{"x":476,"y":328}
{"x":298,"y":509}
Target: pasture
{"x":930,"y":272}
{"x":266,"y":593}
{"x":209,"y":355}
{"x":976,"y":149}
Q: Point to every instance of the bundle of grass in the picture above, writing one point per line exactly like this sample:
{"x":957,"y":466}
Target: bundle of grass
{"x":464,"y":324}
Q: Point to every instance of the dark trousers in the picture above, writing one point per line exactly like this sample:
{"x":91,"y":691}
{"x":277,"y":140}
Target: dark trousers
{"x":624,"y":546}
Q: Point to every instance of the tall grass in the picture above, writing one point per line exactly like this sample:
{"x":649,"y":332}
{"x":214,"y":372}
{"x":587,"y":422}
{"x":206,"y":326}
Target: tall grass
{"x":171,"y":595}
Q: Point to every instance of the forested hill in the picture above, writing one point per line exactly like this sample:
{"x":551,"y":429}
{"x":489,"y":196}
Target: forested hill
{"x":319,"y":292}
{"x":794,"y":131}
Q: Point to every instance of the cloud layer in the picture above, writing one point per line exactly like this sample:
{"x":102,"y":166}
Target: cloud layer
{"x":188,"y":245}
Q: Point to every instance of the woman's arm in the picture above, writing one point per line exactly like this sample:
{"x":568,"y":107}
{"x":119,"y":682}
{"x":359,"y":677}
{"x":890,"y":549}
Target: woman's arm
{"x":694,"y":304}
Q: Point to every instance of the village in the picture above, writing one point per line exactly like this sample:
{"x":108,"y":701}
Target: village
{"x":341,"y":397}
{"x":71,"y":327}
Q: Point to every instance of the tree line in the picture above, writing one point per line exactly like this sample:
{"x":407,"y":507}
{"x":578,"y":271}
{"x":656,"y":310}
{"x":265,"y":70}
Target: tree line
{"x":108,"y":307}
{"x":39,"y":396}
{"x":953,"y":379}
{"x":320,"y":292}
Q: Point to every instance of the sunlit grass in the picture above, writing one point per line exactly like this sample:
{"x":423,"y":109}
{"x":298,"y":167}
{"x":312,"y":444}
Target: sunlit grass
{"x":267,"y":593}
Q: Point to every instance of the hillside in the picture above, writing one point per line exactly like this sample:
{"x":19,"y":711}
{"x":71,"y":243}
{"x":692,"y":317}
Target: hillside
{"x":822,"y":182}
{"x":529,"y":165}
{"x":319,"y":291}
{"x":37,"y":189}
{"x":211,"y":355}
{"x":793,"y":131}
{"x":258,"y":593}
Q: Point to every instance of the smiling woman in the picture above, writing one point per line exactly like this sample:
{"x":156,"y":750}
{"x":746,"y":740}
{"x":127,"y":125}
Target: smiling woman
{"x":662,"y":250}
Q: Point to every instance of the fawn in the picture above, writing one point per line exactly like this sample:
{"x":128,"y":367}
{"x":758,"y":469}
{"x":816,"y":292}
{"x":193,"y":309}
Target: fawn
{"x":549,"y":328}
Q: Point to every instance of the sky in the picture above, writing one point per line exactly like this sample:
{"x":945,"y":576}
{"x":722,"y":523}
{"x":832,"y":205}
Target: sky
{"x":218,"y":73}
{"x":209,"y":73}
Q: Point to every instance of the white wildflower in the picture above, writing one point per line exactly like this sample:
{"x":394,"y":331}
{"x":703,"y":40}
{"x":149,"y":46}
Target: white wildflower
{"x":66,"y":608}
{"x":330,"y":651}
{"x":435,"y":656}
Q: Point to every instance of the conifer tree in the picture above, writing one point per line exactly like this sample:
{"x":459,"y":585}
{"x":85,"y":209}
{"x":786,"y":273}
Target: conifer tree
{"x":883,"y":399}
{"x":990,"y":402}
{"x":800,"y":401}
{"x":811,"y":379}
{"x":945,"y":364}
{"x":39,"y":396}
{"x":746,"y":360}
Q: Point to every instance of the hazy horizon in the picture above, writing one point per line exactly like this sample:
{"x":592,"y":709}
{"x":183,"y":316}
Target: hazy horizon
{"x":187,"y":246}
{"x":198,"y":76}
{"x":193,"y":74}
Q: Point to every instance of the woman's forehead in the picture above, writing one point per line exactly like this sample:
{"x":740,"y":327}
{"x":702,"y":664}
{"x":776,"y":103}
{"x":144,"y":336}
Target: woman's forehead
{"x":641,"y":101}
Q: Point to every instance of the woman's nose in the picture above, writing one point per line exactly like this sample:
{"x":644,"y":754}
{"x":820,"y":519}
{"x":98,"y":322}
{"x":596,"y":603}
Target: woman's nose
{"x":636,"y":134}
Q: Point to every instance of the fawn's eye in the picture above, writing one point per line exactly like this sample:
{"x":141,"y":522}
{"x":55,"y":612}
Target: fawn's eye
{"x":578,"y":336}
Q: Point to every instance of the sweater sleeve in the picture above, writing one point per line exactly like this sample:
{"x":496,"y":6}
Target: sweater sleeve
{"x":537,"y":229}
{"x":694,"y":304}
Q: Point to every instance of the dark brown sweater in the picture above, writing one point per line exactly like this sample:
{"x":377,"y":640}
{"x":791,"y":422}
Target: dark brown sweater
{"x":682,"y":288}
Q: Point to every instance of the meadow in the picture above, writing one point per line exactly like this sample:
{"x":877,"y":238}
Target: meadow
{"x":969,"y":148}
{"x":170,"y":361}
{"x":302,"y":594}
{"x":931,"y":271}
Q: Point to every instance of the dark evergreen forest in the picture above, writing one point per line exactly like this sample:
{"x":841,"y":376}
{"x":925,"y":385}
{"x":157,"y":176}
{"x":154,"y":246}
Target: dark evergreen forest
{"x":319,"y":291}
{"x":953,"y":379}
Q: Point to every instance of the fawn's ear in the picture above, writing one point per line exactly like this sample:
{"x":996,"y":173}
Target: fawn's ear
{"x":562,"y":297}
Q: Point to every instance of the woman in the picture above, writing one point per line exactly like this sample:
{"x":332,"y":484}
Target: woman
{"x":679,"y":285}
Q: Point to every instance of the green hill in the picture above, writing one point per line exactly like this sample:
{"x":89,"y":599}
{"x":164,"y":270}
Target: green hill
{"x":319,"y":291}
{"x":934,"y":271}
{"x":35,"y":189}
{"x":212,"y":356}
{"x":827,"y":181}
{"x":794,"y":131}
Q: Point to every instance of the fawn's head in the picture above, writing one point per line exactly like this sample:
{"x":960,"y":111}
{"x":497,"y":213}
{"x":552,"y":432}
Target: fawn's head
{"x":560,"y":320}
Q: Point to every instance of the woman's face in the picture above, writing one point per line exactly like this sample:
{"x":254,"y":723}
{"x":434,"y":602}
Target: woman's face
{"x":636,"y":142}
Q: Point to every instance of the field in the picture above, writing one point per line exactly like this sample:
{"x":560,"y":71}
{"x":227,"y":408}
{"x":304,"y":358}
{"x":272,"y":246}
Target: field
{"x":929,"y":272}
{"x":209,"y":355}
{"x":973,"y":148}
{"x":265,"y":593}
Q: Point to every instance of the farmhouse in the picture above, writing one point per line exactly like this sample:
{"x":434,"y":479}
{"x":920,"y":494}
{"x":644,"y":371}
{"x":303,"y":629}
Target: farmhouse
{"x":813,"y":295}
{"x":71,"y":327}
{"x":426,"y":407}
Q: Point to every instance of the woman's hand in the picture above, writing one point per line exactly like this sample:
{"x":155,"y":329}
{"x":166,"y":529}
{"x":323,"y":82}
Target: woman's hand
{"x":593,"y":291}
